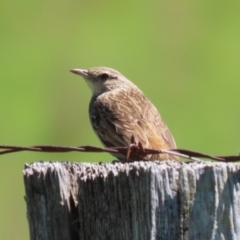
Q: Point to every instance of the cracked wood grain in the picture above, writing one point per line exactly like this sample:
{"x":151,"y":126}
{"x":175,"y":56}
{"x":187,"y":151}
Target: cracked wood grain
{"x":139,"y":200}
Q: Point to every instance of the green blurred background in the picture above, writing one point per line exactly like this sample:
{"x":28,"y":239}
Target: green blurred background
{"x":184,"y":55}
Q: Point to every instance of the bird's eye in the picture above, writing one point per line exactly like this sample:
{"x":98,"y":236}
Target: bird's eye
{"x":104,"y":76}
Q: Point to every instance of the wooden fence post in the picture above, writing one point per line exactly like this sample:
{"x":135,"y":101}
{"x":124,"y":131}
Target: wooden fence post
{"x":136,"y":201}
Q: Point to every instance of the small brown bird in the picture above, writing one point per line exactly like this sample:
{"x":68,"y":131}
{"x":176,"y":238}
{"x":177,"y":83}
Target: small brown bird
{"x":119,"y":110}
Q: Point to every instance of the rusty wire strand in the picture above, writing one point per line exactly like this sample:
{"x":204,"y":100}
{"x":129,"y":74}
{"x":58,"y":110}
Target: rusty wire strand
{"x":193,"y":155}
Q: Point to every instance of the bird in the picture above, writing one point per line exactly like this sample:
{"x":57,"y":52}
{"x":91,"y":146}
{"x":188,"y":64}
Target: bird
{"x":119,"y":113}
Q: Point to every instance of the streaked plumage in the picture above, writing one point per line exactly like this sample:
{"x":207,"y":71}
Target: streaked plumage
{"x":119,"y":110}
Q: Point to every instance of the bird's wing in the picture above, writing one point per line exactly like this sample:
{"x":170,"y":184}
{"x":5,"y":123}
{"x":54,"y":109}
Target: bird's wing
{"x":116,"y":116}
{"x":114,"y":121}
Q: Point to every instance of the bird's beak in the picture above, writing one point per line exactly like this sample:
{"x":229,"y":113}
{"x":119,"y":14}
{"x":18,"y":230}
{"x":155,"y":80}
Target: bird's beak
{"x":81,"y":72}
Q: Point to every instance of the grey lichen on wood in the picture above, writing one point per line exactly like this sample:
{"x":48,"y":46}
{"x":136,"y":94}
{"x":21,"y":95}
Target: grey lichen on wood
{"x":140,"y":200}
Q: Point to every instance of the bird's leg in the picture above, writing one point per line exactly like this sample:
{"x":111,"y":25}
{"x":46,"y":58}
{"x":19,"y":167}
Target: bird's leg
{"x":131,"y":145}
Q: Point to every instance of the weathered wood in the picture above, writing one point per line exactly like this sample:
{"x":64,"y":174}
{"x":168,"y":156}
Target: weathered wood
{"x":140,"y":200}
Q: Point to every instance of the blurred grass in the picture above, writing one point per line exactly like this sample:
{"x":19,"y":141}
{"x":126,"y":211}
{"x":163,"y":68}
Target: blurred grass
{"x":183,"y":55}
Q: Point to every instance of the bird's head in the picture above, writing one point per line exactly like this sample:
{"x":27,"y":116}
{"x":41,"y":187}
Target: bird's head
{"x":103,"y":79}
